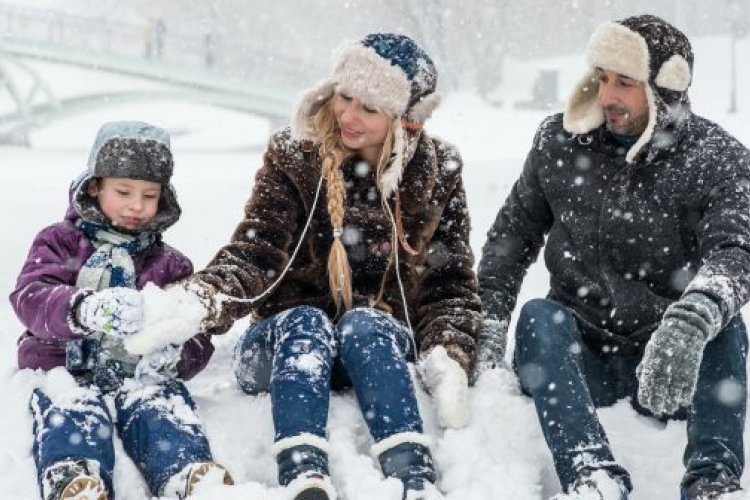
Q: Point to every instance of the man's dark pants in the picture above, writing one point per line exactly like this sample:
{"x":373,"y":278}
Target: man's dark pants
{"x":567,"y":381}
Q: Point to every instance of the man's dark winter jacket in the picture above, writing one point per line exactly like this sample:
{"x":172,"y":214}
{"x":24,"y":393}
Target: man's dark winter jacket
{"x":440,"y":283}
{"x":624,"y":240}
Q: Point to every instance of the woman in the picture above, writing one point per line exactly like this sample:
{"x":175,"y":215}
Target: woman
{"x":351,"y":287}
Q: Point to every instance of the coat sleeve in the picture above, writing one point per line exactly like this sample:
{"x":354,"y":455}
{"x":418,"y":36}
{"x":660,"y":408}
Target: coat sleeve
{"x":448,"y":310}
{"x":514,"y":240}
{"x":45,"y":294}
{"x":259,"y":248}
{"x":723,"y":232}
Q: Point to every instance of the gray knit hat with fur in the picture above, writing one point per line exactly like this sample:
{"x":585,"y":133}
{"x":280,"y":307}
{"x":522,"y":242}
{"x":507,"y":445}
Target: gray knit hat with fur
{"x":131,"y":150}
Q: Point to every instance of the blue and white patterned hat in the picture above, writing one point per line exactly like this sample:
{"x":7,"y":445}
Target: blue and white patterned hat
{"x":387,"y":72}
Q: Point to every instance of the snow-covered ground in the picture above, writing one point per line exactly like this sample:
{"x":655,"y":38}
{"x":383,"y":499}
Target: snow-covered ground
{"x":500,"y":455}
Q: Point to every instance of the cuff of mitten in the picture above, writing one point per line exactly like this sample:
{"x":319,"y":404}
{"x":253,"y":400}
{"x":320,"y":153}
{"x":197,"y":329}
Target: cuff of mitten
{"x":73,"y":320}
{"x":457,"y":354}
{"x":207,"y":294}
{"x":700,"y":309}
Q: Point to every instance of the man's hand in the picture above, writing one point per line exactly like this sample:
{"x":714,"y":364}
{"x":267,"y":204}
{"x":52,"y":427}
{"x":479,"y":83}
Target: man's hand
{"x":448,"y":384}
{"x":668,"y":372}
{"x":493,"y":338}
{"x":114,"y":311}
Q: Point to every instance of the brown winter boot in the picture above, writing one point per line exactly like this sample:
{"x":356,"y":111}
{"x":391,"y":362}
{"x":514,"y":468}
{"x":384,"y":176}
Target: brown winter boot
{"x":183,"y":484}
{"x":74,"y":480}
{"x":201,"y":470}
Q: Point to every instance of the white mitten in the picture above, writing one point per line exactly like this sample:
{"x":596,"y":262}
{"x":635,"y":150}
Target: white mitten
{"x":114,"y":311}
{"x":448,"y":384}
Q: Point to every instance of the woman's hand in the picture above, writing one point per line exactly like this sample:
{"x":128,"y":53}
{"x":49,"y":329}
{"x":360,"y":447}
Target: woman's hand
{"x":448,"y":384}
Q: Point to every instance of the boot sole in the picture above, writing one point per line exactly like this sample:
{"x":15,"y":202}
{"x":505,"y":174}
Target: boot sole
{"x":313,"y":493}
{"x":84,"y":488}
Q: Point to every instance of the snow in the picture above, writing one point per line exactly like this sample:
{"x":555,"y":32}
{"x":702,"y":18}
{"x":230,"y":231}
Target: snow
{"x":501,"y":453}
{"x":170,"y":316}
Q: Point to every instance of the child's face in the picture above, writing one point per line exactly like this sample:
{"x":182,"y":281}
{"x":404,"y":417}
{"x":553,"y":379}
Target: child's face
{"x":128,"y":203}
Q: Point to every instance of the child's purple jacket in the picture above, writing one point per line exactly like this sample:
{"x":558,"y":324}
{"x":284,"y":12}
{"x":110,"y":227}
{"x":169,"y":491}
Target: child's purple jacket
{"x":45,"y":294}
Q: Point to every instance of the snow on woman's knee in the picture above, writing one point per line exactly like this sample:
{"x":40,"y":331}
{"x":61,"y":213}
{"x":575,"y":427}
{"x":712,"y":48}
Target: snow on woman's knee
{"x":303,"y":321}
{"x":365,"y":325}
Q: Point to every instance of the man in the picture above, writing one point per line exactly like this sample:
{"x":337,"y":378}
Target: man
{"x":646,"y":210}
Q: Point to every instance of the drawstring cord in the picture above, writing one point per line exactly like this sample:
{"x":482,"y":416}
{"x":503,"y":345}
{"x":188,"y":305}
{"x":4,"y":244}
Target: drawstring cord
{"x":222,"y":297}
{"x":395,"y":236}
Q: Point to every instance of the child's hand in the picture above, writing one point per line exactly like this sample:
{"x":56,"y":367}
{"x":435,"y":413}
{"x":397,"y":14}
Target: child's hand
{"x":159,"y":366}
{"x":114,"y":311}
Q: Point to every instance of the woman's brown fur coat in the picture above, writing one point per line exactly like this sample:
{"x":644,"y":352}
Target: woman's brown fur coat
{"x":440,"y":283}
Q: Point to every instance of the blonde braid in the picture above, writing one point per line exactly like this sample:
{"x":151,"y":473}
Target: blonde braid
{"x":333,"y":154}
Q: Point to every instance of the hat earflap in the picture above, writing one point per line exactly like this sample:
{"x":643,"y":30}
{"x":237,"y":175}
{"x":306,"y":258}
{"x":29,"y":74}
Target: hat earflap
{"x":303,"y":124}
{"x":674,"y":74}
{"x":422,"y":109}
{"x":648,"y":133}
{"x":582,"y":111}
{"x":391,"y":177}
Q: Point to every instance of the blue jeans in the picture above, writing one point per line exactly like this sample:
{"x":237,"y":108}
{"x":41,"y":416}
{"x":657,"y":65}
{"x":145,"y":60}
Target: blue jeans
{"x":300,"y":354}
{"x":567,"y":381}
{"x":160,"y":440}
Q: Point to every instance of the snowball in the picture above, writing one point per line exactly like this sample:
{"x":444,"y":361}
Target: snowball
{"x":170,"y":316}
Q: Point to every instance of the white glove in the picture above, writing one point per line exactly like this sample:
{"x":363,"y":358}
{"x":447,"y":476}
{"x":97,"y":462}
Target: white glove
{"x":158,"y":366}
{"x":114,"y":311}
{"x":448,"y":384}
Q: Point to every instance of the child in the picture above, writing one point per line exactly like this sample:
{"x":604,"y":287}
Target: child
{"x":77,"y":296}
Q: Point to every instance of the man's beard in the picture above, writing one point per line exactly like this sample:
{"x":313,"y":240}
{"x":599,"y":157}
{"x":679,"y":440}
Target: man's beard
{"x":627,"y":124}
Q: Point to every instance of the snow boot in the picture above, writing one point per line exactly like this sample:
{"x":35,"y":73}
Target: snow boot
{"x":183,"y":484}
{"x":303,"y":467}
{"x":723,"y":486}
{"x":406,"y":457}
{"x":596,"y":484}
{"x":73,"y":480}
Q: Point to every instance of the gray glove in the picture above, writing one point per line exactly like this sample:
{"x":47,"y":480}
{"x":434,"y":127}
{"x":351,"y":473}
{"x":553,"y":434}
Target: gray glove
{"x":114,"y":311}
{"x":668,"y":372}
{"x":493,"y":338}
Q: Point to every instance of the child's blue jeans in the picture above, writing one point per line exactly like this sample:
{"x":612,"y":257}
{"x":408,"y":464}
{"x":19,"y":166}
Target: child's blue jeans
{"x":158,"y":425}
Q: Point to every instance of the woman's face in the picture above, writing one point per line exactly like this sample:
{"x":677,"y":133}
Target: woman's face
{"x":362,"y":129}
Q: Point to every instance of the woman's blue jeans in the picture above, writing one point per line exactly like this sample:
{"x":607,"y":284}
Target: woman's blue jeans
{"x":567,"y":381}
{"x":299,"y":354}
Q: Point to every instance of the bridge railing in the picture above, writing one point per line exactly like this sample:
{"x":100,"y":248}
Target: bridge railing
{"x":152,"y":41}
